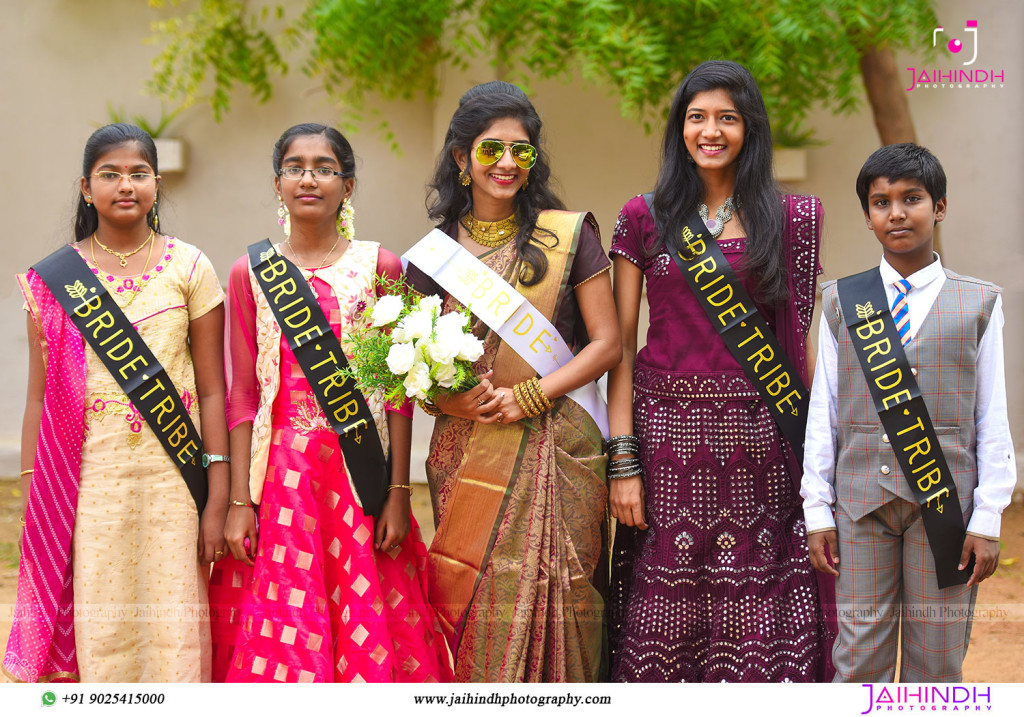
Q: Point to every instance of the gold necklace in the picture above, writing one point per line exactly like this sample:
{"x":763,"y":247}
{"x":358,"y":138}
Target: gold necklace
{"x":491,"y":234}
{"x":323,"y":263}
{"x":136,"y":285}
{"x":123,"y":256}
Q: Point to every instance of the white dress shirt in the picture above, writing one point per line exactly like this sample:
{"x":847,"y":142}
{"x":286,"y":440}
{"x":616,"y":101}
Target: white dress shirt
{"x":997,"y":469}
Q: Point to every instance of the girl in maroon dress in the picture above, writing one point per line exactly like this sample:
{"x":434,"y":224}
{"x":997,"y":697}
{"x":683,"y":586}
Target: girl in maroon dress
{"x":711,"y":580}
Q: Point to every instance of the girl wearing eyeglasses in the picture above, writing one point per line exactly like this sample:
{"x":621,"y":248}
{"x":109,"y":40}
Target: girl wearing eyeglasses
{"x":114,"y":552}
{"x":516,"y":471}
{"x":710,"y":569}
{"x":323,"y":592}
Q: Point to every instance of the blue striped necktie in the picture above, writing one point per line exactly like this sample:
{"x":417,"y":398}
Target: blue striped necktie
{"x":900,"y":310}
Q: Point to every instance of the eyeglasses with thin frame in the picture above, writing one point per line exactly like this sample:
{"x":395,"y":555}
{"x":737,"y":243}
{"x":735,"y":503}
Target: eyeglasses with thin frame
{"x":489,"y":151}
{"x":109,"y":176}
{"x":319,"y":173}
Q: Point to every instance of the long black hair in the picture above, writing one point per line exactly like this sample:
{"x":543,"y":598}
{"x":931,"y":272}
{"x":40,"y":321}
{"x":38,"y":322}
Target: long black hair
{"x":448,"y":201}
{"x":102,"y":141}
{"x":339,"y":145}
{"x":755,"y":194}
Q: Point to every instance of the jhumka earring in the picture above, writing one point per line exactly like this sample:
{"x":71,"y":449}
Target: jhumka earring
{"x":346,"y":221}
{"x":284,"y":217}
{"x":156,"y":217}
{"x":464,"y":178}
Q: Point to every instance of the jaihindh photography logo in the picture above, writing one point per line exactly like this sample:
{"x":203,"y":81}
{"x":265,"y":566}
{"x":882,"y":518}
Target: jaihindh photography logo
{"x":961,"y":52}
{"x":927,"y":698}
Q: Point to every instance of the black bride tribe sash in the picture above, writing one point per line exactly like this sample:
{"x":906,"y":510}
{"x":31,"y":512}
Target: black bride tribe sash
{"x":129,"y":360}
{"x":320,"y":355}
{"x":746,"y":333}
{"x":905,"y":419}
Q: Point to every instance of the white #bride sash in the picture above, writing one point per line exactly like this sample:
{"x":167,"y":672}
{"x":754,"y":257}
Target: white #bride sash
{"x":495,"y":302}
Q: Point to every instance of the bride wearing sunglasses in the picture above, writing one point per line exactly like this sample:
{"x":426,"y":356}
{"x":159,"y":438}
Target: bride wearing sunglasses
{"x":517,"y":475}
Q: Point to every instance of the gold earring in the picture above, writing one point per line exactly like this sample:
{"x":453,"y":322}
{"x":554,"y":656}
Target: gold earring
{"x":464,"y":178}
{"x":526,"y":182}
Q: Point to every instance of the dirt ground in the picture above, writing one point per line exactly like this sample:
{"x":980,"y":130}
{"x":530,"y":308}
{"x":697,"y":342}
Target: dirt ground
{"x":996,"y":653}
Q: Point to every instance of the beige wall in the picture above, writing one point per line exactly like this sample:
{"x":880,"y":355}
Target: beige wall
{"x":975,"y":133}
{"x":64,"y":60}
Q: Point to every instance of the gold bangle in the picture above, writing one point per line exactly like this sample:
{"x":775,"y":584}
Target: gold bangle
{"x":518,"y":392}
{"x":431,"y":409}
{"x":404,"y":486}
{"x":531,"y":394}
{"x":540,"y":390}
{"x":23,"y":523}
{"x":539,"y":395}
{"x":241,"y":503}
{"x":525,"y":401}
{"x":532,"y":397}
{"x":26,"y":472}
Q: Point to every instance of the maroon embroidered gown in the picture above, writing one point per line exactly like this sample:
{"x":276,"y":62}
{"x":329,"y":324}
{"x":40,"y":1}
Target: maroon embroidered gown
{"x":719,"y":588}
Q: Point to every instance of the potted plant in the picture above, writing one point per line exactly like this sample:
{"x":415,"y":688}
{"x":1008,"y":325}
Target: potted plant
{"x":170,"y":150}
{"x":790,"y":152}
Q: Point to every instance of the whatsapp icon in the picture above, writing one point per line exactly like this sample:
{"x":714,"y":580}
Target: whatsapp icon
{"x":49,"y":699}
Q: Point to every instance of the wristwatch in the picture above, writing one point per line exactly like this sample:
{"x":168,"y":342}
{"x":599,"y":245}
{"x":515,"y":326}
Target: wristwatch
{"x":209,"y":458}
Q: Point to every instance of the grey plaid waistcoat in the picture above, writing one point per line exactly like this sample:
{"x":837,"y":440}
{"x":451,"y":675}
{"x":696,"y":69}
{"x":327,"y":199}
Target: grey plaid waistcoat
{"x":944,"y":355}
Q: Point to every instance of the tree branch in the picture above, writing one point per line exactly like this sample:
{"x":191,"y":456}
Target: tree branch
{"x":888,"y":99}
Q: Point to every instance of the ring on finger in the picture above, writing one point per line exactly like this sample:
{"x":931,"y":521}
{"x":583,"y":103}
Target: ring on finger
{"x":501,"y":417}
{"x":481,"y":401}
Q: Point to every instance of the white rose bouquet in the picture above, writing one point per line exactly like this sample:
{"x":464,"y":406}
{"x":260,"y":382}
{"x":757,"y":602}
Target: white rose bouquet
{"x":409,"y":350}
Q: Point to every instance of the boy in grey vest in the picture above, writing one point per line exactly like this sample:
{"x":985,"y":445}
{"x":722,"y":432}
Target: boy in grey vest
{"x":857,"y":501}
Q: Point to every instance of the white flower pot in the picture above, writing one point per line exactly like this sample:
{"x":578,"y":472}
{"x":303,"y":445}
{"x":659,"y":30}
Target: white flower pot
{"x":790,"y":164}
{"x":170,"y":154}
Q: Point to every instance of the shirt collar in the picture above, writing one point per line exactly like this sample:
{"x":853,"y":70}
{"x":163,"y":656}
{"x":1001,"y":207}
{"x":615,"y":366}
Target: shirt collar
{"x":919,"y":279}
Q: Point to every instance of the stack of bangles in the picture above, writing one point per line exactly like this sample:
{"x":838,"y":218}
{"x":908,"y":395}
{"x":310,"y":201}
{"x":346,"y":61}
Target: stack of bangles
{"x":619,"y":468}
{"x":531,"y":398}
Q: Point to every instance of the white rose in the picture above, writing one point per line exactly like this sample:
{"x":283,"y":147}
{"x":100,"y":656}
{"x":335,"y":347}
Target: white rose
{"x":400,"y":358}
{"x":449,"y":331}
{"x":471,"y":348}
{"x":398,"y":335}
{"x":431,"y":304}
{"x":444,"y":374}
{"x":442,"y":349}
{"x":418,"y":382}
{"x":455,"y":321}
{"x":417,"y":325}
{"x":387,"y":309}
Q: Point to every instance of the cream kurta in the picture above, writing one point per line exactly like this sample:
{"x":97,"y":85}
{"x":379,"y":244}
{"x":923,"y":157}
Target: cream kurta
{"x":141,"y":608}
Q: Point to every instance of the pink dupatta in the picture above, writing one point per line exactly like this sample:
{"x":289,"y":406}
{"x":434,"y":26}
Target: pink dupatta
{"x":41,"y":647}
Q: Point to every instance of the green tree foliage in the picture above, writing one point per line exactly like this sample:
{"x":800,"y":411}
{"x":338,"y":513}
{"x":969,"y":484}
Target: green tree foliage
{"x":803,"y":52}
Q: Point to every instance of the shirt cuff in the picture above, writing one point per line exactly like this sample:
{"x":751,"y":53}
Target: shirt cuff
{"x":985,"y":523}
{"x":819,"y":518}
